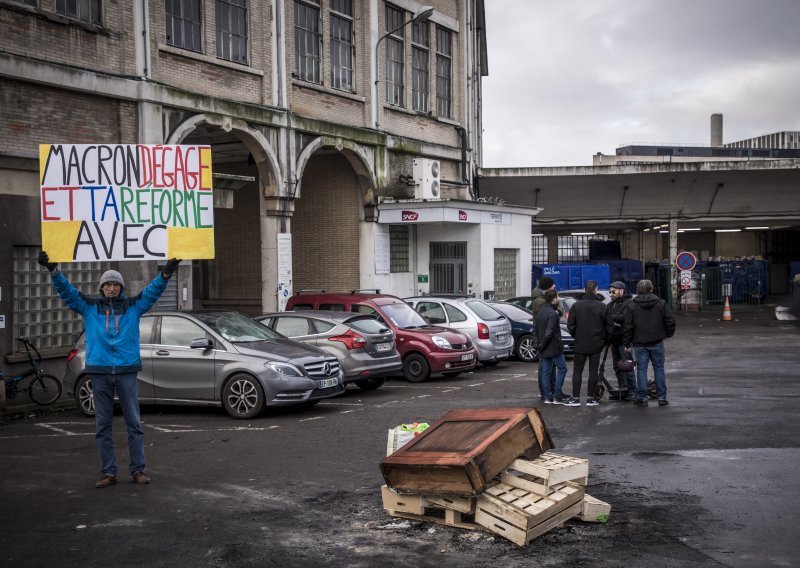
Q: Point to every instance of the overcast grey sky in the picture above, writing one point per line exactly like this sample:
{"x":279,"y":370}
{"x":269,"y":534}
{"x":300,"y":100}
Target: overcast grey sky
{"x":570,"y":78}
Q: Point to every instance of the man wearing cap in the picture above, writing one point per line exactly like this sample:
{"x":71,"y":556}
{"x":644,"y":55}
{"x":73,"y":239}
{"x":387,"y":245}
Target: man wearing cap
{"x":615,"y":320}
{"x":111,"y":321}
{"x":538,"y":302}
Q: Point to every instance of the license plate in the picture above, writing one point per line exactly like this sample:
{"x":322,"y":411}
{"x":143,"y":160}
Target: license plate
{"x":502,"y":336}
{"x":467,"y":356}
{"x":383,"y":346}
{"x":326,"y":383}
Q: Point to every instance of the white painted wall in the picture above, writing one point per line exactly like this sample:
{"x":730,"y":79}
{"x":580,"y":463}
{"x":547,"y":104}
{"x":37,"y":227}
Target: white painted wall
{"x":398,"y":284}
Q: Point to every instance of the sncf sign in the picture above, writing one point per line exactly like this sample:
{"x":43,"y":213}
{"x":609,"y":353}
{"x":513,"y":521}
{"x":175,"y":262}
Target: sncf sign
{"x":462,"y":215}
{"x":410,"y":216}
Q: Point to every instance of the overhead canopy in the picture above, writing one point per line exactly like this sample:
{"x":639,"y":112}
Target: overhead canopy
{"x":714,"y":194}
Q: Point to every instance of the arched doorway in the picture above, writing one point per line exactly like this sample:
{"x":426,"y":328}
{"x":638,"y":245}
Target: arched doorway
{"x":325,"y":224}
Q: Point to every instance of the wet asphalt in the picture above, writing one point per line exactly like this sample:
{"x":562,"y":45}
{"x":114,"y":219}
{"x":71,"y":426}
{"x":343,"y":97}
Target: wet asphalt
{"x":710,"y":480}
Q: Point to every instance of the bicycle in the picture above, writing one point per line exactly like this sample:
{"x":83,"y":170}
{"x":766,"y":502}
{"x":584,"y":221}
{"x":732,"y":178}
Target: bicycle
{"x":44,"y":389}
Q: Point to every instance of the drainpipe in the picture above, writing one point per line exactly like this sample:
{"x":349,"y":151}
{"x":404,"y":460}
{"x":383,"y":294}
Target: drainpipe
{"x":464,"y":164}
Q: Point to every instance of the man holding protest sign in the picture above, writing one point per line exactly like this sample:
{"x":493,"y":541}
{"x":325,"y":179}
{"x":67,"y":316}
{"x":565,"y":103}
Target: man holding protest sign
{"x":111,"y":321}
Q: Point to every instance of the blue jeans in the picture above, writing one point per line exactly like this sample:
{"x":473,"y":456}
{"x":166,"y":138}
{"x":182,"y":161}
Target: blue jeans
{"x":103,"y":387}
{"x":644,"y":355}
{"x":547,"y":368}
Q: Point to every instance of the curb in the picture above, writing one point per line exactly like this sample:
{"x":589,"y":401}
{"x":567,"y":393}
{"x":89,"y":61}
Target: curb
{"x":31,"y":410}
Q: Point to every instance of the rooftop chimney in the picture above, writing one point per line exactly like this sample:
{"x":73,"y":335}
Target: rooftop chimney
{"x":716,"y":129}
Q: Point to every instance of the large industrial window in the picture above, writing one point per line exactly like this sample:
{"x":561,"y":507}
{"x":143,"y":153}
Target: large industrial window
{"x":83,"y":10}
{"x":539,"y":252}
{"x":232,"y":30}
{"x":342,"y":44}
{"x":183,"y":21}
{"x":307,"y":42}
{"x":444,"y":63}
{"x":505,"y":273}
{"x":398,"y":248}
{"x":419,"y":75}
{"x":395,"y":64}
{"x":39,"y":314}
{"x":575,"y":248}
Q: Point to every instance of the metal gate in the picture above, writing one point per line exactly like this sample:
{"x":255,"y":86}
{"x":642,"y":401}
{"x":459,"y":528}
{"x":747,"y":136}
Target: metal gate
{"x":740,"y":283}
{"x":448,"y":268}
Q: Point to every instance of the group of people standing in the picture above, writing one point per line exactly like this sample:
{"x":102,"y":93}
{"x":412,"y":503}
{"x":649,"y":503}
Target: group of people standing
{"x":632,"y":329}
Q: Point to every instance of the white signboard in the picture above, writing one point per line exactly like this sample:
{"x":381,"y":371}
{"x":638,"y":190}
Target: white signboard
{"x":686,"y":279}
{"x":382,"y":253}
{"x":284,"y":269}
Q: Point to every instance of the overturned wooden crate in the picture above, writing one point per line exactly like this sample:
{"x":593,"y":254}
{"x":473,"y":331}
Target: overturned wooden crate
{"x":542,"y":474}
{"x":462,"y":452}
{"x":445,"y":510}
{"x":520,"y":515}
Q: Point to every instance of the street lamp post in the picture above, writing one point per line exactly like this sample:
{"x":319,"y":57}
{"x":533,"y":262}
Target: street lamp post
{"x":421,"y":15}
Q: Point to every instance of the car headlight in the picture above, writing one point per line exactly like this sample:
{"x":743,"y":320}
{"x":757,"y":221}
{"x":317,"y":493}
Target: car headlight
{"x":441,"y":342}
{"x":285,"y":369}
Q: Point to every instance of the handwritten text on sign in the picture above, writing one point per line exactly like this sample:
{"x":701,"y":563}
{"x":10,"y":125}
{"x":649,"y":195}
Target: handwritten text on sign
{"x":126,"y":202}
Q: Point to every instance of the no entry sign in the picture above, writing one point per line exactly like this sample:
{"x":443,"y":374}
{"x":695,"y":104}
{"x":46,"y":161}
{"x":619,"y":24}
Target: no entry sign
{"x":685,"y":260}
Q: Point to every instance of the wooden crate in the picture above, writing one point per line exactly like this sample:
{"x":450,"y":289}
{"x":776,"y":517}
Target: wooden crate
{"x":546,"y":471}
{"x":520,"y":516}
{"x":401,"y":503}
{"x":594,"y":510}
{"x":465,"y":449}
{"x":454,"y":502}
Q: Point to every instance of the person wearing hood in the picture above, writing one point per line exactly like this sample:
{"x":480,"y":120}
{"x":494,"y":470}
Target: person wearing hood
{"x":647,"y":323}
{"x":551,"y":347}
{"x":538,"y":302}
{"x":587,"y":324}
{"x":113,"y":360}
{"x":615,"y":320}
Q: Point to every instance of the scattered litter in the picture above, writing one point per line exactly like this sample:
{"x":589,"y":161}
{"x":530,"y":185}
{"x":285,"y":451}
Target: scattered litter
{"x":79,"y":527}
{"x":396,"y":526}
{"x":431,"y":530}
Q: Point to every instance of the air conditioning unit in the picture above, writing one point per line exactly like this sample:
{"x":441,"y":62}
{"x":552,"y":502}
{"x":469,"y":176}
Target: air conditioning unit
{"x":427,"y":179}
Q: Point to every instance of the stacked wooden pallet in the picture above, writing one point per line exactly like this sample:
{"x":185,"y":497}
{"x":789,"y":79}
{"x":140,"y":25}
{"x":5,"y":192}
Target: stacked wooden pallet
{"x":527,"y":499}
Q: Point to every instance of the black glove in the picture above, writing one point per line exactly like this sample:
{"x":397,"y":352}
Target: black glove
{"x":44,"y":260}
{"x":170,"y":267}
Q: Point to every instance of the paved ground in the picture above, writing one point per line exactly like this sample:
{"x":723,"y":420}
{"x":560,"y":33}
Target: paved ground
{"x":708,"y":481}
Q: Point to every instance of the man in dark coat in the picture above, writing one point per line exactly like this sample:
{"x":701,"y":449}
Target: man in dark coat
{"x":647,"y":323}
{"x":615,"y":320}
{"x":587,"y":324}
{"x":537,"y":294}
{"x":551,"y":348}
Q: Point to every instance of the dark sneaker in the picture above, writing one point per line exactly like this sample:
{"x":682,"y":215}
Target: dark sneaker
{"x":663,"y":402}
{"x":548,"y":401}
{"x":141,"y":478}
{"x":640,"y":403}
{"x":560,"y":400}
{"x":572,"y":402}
{"x":106,"y":481}
{"x":591,"y":402}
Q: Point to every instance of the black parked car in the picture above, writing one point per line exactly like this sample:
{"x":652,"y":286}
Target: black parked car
{"x":522,"y":330}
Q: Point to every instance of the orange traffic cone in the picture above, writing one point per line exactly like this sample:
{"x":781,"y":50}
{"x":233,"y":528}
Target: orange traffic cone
{"x":726,"y":313}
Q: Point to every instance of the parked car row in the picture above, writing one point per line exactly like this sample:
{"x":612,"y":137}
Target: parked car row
{"x":310,"y":352}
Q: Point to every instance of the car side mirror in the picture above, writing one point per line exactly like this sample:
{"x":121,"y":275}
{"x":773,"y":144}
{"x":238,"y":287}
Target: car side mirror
{"x":202,"y":343}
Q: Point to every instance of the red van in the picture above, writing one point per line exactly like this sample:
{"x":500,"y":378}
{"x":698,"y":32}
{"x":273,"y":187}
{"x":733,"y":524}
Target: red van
{"x":424,"y":348}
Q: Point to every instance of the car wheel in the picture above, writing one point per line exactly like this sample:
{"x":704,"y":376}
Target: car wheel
{"x":489,"y":363}
{"x":84,"y":396}
{"x":416,"y":368}
{"x":525,"y":349}
{"x":370,"y":384}
{"x":243,"y":397}
{"x":451,"y":374}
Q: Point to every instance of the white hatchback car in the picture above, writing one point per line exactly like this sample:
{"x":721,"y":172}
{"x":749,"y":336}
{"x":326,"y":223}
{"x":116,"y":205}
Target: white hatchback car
{"x":489,"y":329}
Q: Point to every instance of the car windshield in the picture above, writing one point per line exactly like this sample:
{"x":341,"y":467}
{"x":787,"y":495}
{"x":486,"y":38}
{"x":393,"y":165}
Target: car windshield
{"x":237,"y":328}
{"x":403,"y":316}
{"x":484,"y":311}
{"x":514,"y":312}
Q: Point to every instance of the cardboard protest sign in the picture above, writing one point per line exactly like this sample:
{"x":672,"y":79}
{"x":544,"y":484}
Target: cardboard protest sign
{"x":126,"y":202}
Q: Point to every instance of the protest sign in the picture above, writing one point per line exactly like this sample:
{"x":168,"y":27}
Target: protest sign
{"x":126,"y":202}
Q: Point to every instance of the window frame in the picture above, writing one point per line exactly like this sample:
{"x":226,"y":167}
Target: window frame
{"x":420,"y":78}
{"x":395,"y":49}
{"x":399,"y":249}
{"x":444,"y":82}
{"x":228,"y":37}
{"x":301,"y":71}
{"x":170,"y":19}
{"x":339,"y":47}
{"x":72,"y":9}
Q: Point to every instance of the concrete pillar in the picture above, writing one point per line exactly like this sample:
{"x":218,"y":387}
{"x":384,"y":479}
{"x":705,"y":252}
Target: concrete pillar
{"x":275,"y":218}
{"x":673,"y":253}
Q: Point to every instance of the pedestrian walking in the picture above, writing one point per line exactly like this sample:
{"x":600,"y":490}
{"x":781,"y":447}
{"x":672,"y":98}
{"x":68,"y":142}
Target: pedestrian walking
{"x":587,"y":324}
{"x":537,"y":294}
{"x":551,"y":348}
{"x":615,"y":322}
{"x":647,"y":323}
{"x":111,"y":321}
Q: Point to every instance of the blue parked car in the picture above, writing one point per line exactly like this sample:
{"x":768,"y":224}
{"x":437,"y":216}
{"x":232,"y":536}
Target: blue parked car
{"x":522,"y":331}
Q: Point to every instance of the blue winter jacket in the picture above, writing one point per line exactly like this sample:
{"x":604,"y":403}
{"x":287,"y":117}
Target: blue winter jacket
{"x":112,"y":324}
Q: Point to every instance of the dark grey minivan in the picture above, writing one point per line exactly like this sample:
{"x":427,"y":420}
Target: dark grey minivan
{"x":218,"y":358}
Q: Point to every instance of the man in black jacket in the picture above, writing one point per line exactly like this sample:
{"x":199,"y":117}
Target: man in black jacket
{"x":647,"y":323}
{"x":537,"y":296}
{"x":615,"y":320}
{"x":587,"y":324}
{"x":551,"y":348}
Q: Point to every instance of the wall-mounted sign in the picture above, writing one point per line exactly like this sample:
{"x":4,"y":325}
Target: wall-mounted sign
{"x":685,"y":260}
{"x":422,"y":278}
{"x":126,"y":202}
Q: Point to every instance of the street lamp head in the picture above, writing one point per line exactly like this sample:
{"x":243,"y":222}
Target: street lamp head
{"x":423,"y":14}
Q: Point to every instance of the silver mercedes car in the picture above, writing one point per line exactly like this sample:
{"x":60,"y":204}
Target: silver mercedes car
{"x":218,"y":358}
